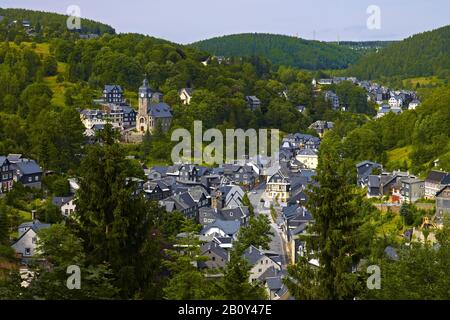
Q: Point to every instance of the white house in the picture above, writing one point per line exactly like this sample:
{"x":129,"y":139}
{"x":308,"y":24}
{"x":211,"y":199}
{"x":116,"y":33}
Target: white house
{"x":65,"y":204}
{"x":414,"y":104}
{"x":27,"y":242}
{"x":395,"y":102}
{"x":186,"y":95}
{"x":308,"y":157}
{"x":260,"y":262}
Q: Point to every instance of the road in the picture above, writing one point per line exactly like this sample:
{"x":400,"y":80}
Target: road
{"x":277,"y":244}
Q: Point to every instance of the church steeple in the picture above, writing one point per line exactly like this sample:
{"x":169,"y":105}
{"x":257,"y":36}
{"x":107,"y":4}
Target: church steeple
{"x":145,"y":94}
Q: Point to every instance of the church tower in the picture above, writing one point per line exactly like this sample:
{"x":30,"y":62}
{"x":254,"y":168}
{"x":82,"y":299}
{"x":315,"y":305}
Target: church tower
{"x":145,"y":95}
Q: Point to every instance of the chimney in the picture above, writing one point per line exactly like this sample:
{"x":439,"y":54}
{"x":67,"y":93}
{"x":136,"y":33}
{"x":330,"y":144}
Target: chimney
{"x":250,"y":249}
{"x":33,"y":215}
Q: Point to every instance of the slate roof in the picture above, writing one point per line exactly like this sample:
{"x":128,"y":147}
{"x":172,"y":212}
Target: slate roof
{"x":215,"y":248}
{"x":2,"y":160}
{"x":435,"y":176}
{"x":160,"y":110}
{"x":110,"y":87}
{"x":36,"y":225}
{"x":13,"y":158}
{"x":307,"y":152}
{"x":253,"y":254}
{"x":446,"y":179}
{"x":60,"y":201}
{"x":27,"y":166}
{"x":229,"y":227}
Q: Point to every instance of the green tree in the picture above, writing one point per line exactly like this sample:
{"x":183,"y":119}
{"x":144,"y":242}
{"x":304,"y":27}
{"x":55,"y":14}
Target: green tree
{"x":117,"y":226}
{"x":246,"y":202}
{"x":334,"y":238}
{"x":186,"y":282}
{"x":235,"y":284}
{"x":258,"y":233}
{"x":62,"y":249}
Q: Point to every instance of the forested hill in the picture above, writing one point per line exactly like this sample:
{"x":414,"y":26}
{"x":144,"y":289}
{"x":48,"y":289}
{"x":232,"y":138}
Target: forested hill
{"x":54,"y":23}
{"x":421,"y":55}
{"x":282,"y":50}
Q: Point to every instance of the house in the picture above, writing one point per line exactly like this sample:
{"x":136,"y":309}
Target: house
{"x":152,"y":112}
{"x":220,"y":228}
{"x":26,"y":171}
{"x":272,"y":280}
{"x":65,"y":204}
{"x":113,"y":94}
{"x":433,"y":183}
{"x":325,"y":82}
{"x":333,"y":99}
{"x":157,"y":173}
{"x":253,"y":102}
{"x":156,"y":190}
{"x":413,"y":104}
{"x":278,"y":186}
{"x":241,"y":175}
{"x":229,"y":196}
{"x":443,"y":204}
{"x":26,"y":24}
{"x":395,"y":102}
{"x":25,"y":246}
{"x":383,"y":110}
{"x":217,"y":256}
{"x":308,"y":157}
{"x":364,"y":170}
{"x":300,"y":109}
{"x":6,"y":175}
{"x":193,"y":173}
{"x":260,"y":262}
{"x":412,"y":190}
{"x":321,"y":127}
{"x":185,"y":95}
{"x":188,"y":201}
{"x":122,"y":115}
{"x":209,"y":215}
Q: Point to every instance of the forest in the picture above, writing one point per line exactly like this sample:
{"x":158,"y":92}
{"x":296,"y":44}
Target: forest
{"x":421,"y":55}
{"x":282,"y":50}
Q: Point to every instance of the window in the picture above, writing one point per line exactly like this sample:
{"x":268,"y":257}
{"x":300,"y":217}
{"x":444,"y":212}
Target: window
{"x":33,"y":240}
{"x":213,"y":259}
{"x":36,"y":178}
{"x":260,"y":270}
{"x":27,"y":251}
{"x":30,"y":179}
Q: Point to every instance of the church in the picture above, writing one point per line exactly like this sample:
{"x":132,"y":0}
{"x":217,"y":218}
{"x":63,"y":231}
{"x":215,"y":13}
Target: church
{"x":152,"y":111}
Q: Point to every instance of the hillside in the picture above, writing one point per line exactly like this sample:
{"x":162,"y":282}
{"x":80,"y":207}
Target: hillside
{"x":421,"y":55}
{"x":282,"y":50}
{"x":52,"y":23}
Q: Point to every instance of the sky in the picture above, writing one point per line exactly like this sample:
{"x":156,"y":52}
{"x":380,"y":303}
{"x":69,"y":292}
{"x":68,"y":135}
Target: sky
{"x":184,"y":21}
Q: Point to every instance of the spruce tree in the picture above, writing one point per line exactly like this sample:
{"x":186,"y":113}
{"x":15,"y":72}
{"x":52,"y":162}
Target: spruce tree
{"x":334,"y":239}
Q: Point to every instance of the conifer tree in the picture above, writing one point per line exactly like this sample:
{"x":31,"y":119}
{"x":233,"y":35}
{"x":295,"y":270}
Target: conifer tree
{"x":334,"y":239}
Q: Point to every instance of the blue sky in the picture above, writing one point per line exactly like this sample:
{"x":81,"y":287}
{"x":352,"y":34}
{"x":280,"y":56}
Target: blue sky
{"x":188,"y":21}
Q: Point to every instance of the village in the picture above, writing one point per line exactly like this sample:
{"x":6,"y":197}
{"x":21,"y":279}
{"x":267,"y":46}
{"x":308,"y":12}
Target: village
{"x":223,"y":198}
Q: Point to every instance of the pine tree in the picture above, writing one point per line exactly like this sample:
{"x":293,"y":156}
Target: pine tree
{"x":334,"y":238}
{"x":235,"y":284}
{"x":118,"y":226}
